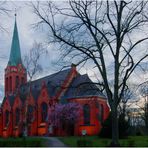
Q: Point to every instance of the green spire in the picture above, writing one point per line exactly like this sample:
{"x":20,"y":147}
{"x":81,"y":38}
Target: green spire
{"x":15,"y":54}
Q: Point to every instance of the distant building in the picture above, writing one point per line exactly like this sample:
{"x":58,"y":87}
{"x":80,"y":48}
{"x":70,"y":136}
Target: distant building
{"x":66,"y":85}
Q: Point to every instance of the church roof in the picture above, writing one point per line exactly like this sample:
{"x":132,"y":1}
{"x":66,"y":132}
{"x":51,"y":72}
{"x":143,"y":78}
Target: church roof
{"x":15,"y":54}
{"x":53,"y":83}
{"x":81,"y":87}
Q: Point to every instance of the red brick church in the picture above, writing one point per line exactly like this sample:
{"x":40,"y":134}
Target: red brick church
{"x":44,"y":93}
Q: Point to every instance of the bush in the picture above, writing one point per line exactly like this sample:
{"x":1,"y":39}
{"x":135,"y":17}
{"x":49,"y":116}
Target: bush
{"x":123,"y":127}
{"x":131,"y":143}
{"x":21,"y":135}
{"x":23,"y":142}
{"x":106,"y":131}
{"x":84,"y":143}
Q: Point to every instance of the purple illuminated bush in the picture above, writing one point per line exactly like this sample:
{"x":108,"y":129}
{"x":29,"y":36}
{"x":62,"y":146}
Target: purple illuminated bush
{"x":64,"y":115}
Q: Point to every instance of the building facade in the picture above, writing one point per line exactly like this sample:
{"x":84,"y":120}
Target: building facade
{"x":26,"y":104}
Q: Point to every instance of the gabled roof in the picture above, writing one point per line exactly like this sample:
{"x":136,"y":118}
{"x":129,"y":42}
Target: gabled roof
{"x":82,"y":86}
{"x":53,"y":83}
{"x":15,"y":54}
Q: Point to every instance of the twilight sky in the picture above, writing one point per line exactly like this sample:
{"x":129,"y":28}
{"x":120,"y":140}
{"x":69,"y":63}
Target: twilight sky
{"x":27,"y":35}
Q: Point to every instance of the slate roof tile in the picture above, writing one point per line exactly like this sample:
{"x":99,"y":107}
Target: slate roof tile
{"x":82,"y":86}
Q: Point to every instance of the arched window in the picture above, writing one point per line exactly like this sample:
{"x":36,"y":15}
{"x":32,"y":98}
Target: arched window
{"x":44,"y":109}
{"x":6,"y":118}
{"x":17,"y":82}
{"x":10,"y":84}
{"x":17,"y":116}
{"x":86,"y":111}
{"x":101,"y":113}
{"x":22,"y":80}
{"x":30,"y":113}
{"x":6,"y":84}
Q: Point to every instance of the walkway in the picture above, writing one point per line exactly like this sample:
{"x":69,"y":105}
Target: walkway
{"x":54,"y":142}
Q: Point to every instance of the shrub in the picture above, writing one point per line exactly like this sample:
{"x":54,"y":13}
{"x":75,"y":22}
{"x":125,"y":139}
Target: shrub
{"x":23,"y":142}
{"x":131,"y":143}
{"x":84,"y":143}
{"x":106,"y":131}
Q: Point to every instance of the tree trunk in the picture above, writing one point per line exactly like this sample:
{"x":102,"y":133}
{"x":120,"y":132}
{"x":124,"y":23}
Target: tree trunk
{"x":115,"y":130}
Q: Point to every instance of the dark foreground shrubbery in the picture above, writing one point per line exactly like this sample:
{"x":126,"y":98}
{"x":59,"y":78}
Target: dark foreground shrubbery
{"x":84,"y":143}
{"x":124,"y":126}
{"x":21,"y":142}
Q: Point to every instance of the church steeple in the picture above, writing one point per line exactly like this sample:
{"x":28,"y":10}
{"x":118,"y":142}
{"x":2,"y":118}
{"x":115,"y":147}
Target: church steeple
{"x":15,"y":72}
{"x":15,"y":54}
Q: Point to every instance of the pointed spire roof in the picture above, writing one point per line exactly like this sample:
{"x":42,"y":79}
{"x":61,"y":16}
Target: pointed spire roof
{"x":15,"y":54}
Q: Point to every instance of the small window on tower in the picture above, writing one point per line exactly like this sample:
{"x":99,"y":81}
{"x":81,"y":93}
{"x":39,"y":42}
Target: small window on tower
{"x":10,"y":84}
{"x":6,"y":84}
{"x":17,"y":81}
{"x":23,"y":80}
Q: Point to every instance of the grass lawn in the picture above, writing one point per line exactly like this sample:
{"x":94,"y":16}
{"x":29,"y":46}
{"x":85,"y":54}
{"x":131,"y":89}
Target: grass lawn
{"x":22,"y":142}
{"x":138,"y":141}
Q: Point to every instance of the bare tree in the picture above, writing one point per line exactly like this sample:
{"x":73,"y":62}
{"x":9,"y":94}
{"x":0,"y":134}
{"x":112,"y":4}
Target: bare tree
{"x":32,"y":60}
{"x":143,"y":90}
{"x":100,"y":32}
{"x":33,"y":67}
{"x":128,"y":95}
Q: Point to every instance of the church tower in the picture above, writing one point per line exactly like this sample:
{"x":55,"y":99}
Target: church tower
{"x":15,"y":72}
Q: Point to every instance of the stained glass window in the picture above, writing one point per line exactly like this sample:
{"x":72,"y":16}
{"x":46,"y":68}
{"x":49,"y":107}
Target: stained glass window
{"x":17,"y":115}
{"x":30,"y":114}
{"x":86,"y":111}
{"x":44,"y":109}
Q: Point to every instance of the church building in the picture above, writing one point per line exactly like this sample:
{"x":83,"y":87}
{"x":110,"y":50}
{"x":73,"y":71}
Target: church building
{"x":44,"y":93}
